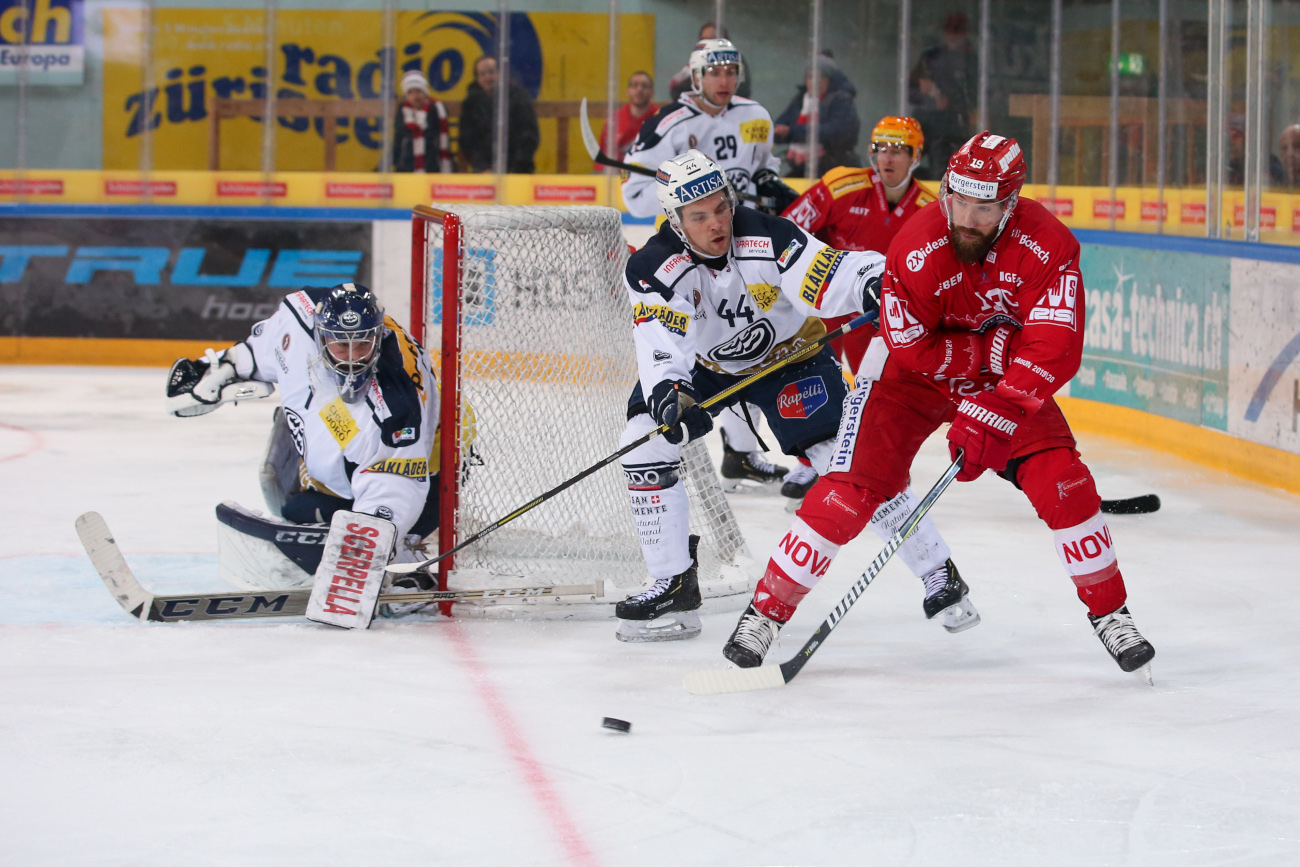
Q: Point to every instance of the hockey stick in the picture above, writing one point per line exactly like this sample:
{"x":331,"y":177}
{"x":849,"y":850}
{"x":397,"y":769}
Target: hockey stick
{"x":140,"y":603}
{"x":599,"y":157}
{"x":806,"y":351}
{"x":1143,"y":505}
{"x":718,"y":681}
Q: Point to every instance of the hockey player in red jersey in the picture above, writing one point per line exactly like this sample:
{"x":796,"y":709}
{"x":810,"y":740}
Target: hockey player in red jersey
{"x":983,"y":313}
{"x":862,"y":209}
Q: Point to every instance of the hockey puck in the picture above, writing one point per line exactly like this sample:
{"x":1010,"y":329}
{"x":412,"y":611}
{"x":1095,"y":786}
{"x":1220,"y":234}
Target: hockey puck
{"x":618,"y":725}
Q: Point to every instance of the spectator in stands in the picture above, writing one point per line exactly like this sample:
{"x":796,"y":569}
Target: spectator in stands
{"x":837,"y":124}
{"x":1289,"y":147}
{"x":478,"y":118}
{"x":941,"y":90}
{"x":1235,"y":175}
{"x":640,"y":92}
{"x":681,"y":82}
{"x":420,"y":141}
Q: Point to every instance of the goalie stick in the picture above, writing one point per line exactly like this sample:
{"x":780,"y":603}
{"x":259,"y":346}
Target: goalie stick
{"x":140,"y":603}
{"x":804,"y":352}
{"x":718,"y":681}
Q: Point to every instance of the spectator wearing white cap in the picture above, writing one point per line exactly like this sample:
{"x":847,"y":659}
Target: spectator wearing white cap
{"x":420,"y":139}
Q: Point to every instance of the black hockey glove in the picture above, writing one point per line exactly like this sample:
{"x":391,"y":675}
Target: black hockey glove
{"x":676,"y":405}
{"x":870,"y":277}
{"x":774,"y":194}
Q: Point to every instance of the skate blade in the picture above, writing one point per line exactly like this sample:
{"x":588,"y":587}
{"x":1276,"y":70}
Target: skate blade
{"x":792,"y":505}
{"x":1145,"y":673}
{"x":670,"y":627}
{"x":960,"y":616}
{"x":749,"y":486}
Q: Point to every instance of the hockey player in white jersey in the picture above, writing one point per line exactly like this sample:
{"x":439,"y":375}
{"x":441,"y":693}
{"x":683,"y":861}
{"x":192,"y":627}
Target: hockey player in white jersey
{"x":736,"y":133}
{"x":355,"y":430}
{"x":719,"y":293}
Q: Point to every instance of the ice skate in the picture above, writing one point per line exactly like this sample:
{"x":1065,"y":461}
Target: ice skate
{"x":797,"y":484}
{"x":666,"y":610}
{"x":740,"y":467}
{"x":752,"y":638}
{"x":946,"y":596}
{"x":1123,"y":642}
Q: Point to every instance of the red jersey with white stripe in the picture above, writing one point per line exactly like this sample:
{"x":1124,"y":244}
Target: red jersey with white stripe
{"x":847,"y":209}
{"x":935,"y":310}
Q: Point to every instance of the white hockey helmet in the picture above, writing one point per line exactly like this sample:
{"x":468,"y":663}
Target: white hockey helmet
{"x":687,"y":178}
{"x":713,"y":52}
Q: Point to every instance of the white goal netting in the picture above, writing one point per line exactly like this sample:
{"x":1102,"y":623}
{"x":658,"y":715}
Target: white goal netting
{"x":546,"y":366}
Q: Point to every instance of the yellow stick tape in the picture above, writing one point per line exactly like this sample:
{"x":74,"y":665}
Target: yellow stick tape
{"x":1268,"y":466}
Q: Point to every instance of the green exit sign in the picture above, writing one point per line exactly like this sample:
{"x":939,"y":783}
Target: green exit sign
{"x":1132,"y":63}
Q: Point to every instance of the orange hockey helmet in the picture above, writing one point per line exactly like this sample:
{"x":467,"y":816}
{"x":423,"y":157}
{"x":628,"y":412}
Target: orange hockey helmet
{"x":900,"y":131}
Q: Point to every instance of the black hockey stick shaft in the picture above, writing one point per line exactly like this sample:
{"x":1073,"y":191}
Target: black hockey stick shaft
{"x":725,"y":394}
{"x":1143,"y":505}
{"x":791,"y":667}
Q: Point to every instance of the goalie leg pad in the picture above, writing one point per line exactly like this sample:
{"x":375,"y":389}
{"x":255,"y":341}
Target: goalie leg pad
{"x":351,"y":572}
{"x":257,"y":553}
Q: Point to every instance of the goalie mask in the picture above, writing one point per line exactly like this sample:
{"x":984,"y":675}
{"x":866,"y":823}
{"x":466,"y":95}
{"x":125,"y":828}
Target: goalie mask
{"x":349,"y":330}
{"x":688,"y":178}
{"x":990,"y":169}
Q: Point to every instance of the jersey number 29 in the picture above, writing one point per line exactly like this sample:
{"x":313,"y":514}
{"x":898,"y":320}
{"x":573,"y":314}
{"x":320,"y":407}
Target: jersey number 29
{"x":727,"y":147}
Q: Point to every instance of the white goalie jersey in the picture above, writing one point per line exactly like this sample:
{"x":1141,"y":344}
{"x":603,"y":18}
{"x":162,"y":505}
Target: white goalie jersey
{"x":375,"y":451}
{"x":738,"y":314}
{"x":738,"y":139}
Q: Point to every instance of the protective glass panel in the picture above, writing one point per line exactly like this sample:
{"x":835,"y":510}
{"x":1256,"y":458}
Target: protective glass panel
{"x":943,"y":77}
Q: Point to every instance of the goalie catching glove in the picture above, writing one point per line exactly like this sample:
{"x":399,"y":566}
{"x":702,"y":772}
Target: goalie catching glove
{"x":198,"y":386}
{"x":676,"y":405}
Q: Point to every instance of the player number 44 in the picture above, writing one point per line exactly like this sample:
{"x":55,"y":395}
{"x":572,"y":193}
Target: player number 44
{"x":743,"y":310}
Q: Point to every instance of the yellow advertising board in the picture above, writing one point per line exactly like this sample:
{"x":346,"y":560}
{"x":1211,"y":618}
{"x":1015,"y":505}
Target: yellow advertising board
{"x":199,"y":55}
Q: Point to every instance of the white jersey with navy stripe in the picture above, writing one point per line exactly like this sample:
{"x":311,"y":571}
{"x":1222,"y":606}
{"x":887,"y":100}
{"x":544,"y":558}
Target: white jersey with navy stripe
{"x":375,"y":450}
{"x":738,"y":314}
{"x":739,"y":139}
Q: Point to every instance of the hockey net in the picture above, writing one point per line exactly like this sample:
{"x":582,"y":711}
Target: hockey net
{"x":525,"y":315}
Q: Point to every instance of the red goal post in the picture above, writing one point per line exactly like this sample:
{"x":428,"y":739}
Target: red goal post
{"x":525,"y":315}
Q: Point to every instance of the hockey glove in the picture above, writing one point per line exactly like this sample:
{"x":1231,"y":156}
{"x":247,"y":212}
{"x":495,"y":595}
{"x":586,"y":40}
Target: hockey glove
{"x":774,"y":190}
{"x":983,"y":429}
{"x":869,"y":276}
{"x":675,"y":404}
{"x":194,"y":386}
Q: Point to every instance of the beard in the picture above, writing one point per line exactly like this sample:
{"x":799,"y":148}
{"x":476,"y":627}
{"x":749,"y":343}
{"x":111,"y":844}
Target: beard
{"x":971,"y":250}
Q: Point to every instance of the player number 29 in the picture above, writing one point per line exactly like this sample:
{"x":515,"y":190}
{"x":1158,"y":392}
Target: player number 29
{"x":727,"y":147}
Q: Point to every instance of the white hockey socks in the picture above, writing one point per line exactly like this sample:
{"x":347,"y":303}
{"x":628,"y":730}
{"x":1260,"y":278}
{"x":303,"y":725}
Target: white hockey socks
{"x":925,"y":550}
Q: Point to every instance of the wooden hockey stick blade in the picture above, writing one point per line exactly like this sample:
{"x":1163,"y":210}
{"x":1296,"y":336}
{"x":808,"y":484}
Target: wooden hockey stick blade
{"x":719,"y":681}
{"x":117,"y":576}
{"x":803,"y":352}
{"x":1143,"y":505}
{"x":111,"y":565}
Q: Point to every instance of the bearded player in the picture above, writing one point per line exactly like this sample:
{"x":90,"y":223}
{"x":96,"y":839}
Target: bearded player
{"x":983,"y":314}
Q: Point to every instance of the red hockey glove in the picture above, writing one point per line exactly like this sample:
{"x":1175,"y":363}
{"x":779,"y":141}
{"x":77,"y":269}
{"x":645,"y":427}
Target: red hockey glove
{"x":983,"y":429}
{"x":1000,"y":345}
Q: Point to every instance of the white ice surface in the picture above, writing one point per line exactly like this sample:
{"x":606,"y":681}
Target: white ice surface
{"x":477,"y":742}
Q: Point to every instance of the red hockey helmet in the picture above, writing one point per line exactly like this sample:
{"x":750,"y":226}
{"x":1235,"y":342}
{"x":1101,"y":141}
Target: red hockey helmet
{"x":988,"y":167}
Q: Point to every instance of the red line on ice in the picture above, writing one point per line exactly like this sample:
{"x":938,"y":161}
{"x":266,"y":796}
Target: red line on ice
{"x":554,"y":814}
{"x":37,"y":443}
